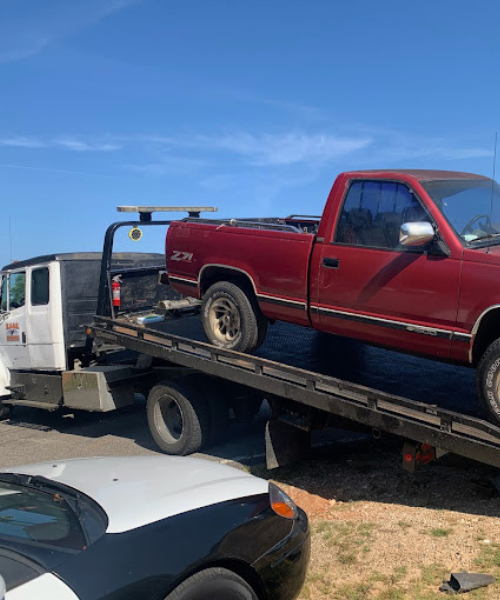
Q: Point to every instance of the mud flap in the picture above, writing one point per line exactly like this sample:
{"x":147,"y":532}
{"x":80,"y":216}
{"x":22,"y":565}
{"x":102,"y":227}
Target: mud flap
{"x":466,"y":582}
{"x":285,"y":443}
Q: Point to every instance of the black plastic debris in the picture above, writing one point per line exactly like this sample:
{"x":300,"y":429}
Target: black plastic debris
{"x":460,"y":583}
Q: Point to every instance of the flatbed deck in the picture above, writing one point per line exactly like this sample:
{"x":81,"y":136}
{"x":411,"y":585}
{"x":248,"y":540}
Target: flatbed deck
{"x":304,"y":366}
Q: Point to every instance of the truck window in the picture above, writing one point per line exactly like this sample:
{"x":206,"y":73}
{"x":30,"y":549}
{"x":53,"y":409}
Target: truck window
{"x":3,"y":299}
{"x":17,"y":289}
{"x":40,"y":286}
{"x":373,"y":213}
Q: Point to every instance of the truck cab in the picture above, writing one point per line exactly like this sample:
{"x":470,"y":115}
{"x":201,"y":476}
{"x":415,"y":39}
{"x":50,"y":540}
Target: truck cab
{"x":47,"y":360}
{"x":31,"y":319}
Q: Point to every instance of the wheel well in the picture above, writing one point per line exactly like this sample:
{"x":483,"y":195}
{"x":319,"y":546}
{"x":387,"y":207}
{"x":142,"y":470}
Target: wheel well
{"x":212,"y":275}
{"x":489,"y":331}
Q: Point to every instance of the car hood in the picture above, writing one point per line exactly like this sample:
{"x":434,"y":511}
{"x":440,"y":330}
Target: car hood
{"x":489,"y":255}
{"x":138,"y":490}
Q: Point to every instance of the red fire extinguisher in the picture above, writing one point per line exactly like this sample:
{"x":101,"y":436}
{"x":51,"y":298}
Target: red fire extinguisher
{"x":115,"y":291}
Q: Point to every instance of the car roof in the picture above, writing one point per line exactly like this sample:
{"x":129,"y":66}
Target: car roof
{"x":419,"y":174}
{"x":138,"y":490}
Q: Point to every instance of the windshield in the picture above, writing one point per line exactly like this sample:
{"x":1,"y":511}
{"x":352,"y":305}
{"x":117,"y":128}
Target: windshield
{"x":31,"y":515}
{"x":467,"y":204}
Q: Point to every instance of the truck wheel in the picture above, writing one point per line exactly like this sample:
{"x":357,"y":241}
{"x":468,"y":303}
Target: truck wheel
{"x":245,"y":409}
{"x":231,"y":319}
{"x":178,"y":417}
{"x":5,"y":411}
{"x":215,"y":394}
{"x":488,"y":381}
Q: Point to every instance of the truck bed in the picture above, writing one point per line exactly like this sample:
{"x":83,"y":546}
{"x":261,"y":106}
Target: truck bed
{"x":438,"y":406}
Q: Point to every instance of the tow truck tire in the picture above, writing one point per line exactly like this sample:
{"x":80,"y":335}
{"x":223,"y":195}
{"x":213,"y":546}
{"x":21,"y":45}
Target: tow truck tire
{"x":488,"y":381}
{"x":216,"y":396}
{"x":231,"y":319}
{"x":5,"y":411}
{"x":178,"y":417}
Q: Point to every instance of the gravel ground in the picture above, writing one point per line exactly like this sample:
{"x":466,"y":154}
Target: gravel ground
{"x":382,"y":533}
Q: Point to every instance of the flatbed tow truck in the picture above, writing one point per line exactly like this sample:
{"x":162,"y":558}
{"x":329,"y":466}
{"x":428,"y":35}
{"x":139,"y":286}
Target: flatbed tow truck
{"x":190,"y":384}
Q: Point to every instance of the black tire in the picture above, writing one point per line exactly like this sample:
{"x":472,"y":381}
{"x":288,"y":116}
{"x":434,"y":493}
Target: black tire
{"x":231,"y":319}
{"x":5,"y":411}
{"x":248,"y":407}
{"x":178,"y":417}
{"x":215,"y":394}
{"x":488,"y":381}
{"x":214,"y":583}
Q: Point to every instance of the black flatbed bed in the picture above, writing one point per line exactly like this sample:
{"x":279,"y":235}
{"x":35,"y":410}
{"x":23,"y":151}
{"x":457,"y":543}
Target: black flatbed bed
{"x":311,"y":368}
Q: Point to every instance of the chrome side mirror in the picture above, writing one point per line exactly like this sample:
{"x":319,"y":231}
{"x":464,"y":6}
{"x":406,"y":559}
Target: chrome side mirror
{"x":417,"y":234}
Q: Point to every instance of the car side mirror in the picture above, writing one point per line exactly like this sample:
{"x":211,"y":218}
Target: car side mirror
{"x":416,"y":234}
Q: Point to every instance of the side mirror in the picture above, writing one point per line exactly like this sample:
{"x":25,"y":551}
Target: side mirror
{"x":417,"y":234}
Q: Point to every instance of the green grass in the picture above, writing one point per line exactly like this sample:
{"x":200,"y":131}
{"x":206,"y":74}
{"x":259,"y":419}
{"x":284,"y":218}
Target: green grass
{"x":440,"y":532}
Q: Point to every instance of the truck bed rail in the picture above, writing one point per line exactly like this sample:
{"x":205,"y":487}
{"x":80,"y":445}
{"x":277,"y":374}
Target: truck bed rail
{"x":458,"y":433}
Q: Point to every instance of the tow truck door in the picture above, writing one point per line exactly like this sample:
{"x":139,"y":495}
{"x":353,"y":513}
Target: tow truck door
{"x":13,"y":340}
{"x":31,"y":329}
{"x":44,"y":323}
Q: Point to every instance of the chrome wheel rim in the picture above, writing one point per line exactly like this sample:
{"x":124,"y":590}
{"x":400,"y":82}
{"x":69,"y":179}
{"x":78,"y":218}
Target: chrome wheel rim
{"x":168,"y":418}
{"x":224,"y":320}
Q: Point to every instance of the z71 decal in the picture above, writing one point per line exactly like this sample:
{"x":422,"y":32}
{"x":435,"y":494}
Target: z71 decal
{"x":178,"y":255}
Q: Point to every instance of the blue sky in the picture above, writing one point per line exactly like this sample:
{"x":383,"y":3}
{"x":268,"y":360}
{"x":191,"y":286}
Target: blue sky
{"x":250,"y":106}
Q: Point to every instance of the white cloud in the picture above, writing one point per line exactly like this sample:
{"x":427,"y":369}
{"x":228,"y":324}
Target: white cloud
{"x":25,"y":48}
{"x":22,"y":142}
{"x":22,"y":37}
{"x":82,"y":146}
{"x":270,"y":149}
{"x":73,"y":144}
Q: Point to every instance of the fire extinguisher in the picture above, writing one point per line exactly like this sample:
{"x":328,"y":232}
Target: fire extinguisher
{"x":115,"y":291}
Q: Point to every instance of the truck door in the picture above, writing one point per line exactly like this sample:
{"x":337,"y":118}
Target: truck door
{"x":44,"y":318}
{"x":13,"y":341}
{"x":371,"y":288}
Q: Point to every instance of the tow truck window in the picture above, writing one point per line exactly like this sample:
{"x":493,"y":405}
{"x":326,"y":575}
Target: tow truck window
{"x":373,"y":213}
{"x":17,"y":290}
{"x":40,"y":286}
{"x":3,"y":299}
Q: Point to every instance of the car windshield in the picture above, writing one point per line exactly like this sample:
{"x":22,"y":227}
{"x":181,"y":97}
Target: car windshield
{"x":32,"y":515}
{"x":472,"y":206}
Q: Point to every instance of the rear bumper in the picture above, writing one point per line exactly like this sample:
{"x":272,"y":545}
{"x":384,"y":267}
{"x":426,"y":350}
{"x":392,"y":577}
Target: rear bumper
{"x":283,"y":569}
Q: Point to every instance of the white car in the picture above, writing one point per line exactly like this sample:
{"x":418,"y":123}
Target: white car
{"x":150,"y":527}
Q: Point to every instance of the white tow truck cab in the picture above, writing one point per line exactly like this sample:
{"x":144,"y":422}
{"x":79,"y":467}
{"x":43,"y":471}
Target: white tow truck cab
{"x":46,"y":357}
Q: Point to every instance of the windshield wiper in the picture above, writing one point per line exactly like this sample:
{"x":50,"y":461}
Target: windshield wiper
{"x":483,"y":240}
{"x":44,"y":485}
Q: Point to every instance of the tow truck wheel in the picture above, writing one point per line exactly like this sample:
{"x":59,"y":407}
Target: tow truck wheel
{"x":178,"y":417}
{"x":5,"y":411}
{"x":231,"y":319}
{"x":215,"y":394}
{"x":488,"y":381}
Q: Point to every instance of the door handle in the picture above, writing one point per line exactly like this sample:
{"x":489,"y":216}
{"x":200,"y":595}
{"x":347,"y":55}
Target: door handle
{"x":23,"y":337}
{"x":331,"y":263}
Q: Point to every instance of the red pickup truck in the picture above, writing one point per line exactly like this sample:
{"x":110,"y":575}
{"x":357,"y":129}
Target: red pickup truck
{"x":407,"y":259}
